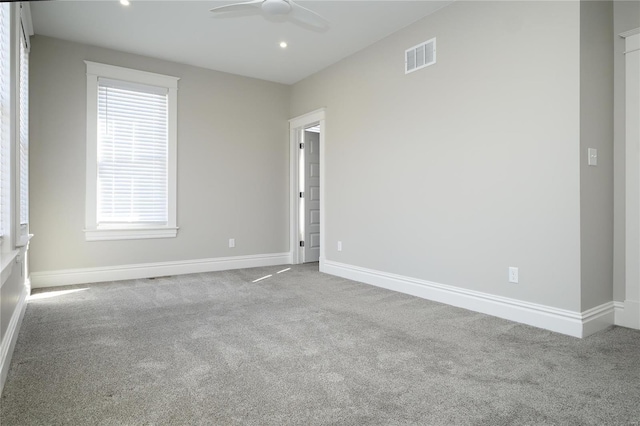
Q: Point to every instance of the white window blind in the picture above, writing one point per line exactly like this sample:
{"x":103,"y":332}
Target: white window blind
{"x":4,"y":109}
{"x":24,"y":131}
{"x":132,"y":153}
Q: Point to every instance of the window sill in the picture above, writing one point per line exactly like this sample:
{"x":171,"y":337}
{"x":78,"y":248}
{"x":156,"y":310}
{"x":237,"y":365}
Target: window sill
{"x":24,"y":239}
{"x":129,"y":234}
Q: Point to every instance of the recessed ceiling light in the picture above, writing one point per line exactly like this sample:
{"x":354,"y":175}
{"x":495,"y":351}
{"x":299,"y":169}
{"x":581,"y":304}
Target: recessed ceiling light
{"x":283,"y":44}
{"x":125,"y":2}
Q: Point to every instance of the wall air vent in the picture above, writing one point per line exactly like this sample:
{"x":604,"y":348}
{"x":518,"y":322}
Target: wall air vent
{"x":420,"y":56}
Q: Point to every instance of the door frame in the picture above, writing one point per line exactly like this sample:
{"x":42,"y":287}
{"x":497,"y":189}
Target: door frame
{"x":296,"y":124}
{"x":631,"y":306}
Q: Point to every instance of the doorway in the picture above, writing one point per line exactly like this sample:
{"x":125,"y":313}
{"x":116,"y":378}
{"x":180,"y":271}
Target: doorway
{"x":307,"y":188}
{"x":310,"y":191}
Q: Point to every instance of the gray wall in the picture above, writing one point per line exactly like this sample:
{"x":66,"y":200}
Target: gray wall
{"x":449,"y":174}
{"x":458,"y":171}
{"x":596,"y":131}
{"x":232,"y":163}
{"x":626,"y":17}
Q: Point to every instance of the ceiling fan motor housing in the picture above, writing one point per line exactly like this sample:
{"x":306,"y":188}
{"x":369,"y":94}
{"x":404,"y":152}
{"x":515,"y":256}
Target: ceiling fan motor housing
{"x":276,"y":7}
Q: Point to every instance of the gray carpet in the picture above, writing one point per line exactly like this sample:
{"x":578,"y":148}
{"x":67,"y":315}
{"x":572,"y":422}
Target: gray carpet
{"x":303,"y":348}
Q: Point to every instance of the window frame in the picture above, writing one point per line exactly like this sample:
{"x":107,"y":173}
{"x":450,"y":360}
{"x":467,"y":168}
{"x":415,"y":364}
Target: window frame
{"x":120,"y":231}
{"x":6,"y":141}
{"x":15,"y":239}
{"x":23,"y":42}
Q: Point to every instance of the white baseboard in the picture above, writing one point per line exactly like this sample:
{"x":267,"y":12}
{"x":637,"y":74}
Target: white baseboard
{"x":577,"y":324}
{"x":628,"y":314}
{"x":11,"y":335}
{"x":149,"y":270}
{"x":598,"y":318}
{"x":619,"y":312}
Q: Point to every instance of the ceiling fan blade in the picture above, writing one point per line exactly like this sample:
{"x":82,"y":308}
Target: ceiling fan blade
{"x":237,"y":6}
{"x":307,"y":16}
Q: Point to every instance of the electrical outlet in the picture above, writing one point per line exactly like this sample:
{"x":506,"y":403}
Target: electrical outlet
{"x":339,"y":245}
{"x":232,"y":242}
{"x":513,"y":274}
{"x":592,"y":155}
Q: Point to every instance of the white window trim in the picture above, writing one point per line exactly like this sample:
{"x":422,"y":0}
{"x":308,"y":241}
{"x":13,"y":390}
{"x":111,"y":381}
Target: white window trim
{"x":5,"y":179}
{"x":7,"y":240}
{"x":93,"y":231}
{"x":14,"y":243}
{"x":25,"y":30}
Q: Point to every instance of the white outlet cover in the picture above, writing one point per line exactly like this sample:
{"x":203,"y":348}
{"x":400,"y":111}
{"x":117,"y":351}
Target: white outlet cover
{"x":232,"y":242}
{"x":513,"y":274}
{"x":593,"y":157}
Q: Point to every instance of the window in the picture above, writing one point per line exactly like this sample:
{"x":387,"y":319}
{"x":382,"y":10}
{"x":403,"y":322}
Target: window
{"x":14,"y":124}
{"x":15,"y":30}
{"x":23,"y":160}
{"x":5,"y":109}
{"x":131,"y":154}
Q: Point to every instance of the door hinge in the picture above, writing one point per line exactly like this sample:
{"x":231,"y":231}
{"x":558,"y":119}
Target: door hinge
{"x":301,"y":243}
{"x":302,"y":195}
{"x":301,"y":146}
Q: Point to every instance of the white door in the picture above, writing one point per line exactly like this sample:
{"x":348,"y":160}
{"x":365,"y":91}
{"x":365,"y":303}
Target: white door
{"x":311,"y":197}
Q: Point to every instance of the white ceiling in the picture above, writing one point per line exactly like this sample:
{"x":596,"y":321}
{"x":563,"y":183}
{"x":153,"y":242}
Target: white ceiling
{"x":242,"y":43}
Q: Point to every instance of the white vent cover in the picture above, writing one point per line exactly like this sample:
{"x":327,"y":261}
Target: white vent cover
{"x":420,"y":56}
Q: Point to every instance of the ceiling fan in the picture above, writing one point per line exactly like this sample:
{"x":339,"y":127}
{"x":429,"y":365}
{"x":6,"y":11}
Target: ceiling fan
{"x":278,"y":7}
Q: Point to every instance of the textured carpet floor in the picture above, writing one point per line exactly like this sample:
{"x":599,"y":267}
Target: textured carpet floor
{"x":302,"y":348}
